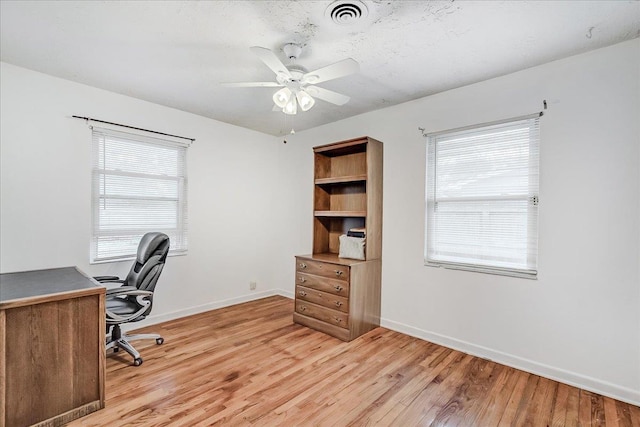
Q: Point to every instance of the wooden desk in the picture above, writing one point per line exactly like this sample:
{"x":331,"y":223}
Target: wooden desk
{"x":52,"y":347}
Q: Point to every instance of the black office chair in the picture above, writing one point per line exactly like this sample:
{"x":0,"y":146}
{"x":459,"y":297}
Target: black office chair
{"x":132,"y":301}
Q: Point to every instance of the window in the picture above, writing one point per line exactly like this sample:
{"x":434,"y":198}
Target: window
{"x":482,"y":198}
{"x":139,"y":184}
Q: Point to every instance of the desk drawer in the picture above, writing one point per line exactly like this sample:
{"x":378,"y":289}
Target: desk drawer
{"x":322,"y":298}
{"x":333,"y":286}
{"x":327,"y":315}
{"x":325,"y":269}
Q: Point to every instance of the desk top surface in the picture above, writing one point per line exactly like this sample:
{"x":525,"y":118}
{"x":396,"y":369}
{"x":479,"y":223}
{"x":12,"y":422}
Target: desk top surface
{"x":40,"y":285}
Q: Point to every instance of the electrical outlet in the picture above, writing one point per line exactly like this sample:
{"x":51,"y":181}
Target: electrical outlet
{"x":252,"y":286}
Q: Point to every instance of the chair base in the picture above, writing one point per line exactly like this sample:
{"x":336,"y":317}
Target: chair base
{"x":117,"y":340}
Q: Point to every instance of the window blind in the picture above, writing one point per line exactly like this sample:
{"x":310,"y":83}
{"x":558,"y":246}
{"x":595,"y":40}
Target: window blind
{"x":482,"y":198}
{"x":139,"y":184}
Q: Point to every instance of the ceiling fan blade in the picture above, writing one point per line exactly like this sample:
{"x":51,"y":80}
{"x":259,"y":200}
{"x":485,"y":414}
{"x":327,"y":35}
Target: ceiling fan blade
{"x":327,"y":95}
{"x":252,"y":84}
{"x":333,"y":71}
{"x":271,"y":60}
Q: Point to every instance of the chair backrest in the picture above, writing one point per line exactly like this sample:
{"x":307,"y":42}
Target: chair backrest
{"x":152,"y":253}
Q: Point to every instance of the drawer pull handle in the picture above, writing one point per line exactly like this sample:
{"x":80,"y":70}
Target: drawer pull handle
{"x":302,"y":280}
{"x":303,"y":265}
{"x":302,"y":293}
{"x":339,"y":273}
{"x":338,"y":288}
{"x":337,"y":319}
{"x":338,"y":304}
{"x":303,"y":308}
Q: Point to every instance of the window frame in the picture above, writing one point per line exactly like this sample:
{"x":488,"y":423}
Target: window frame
{"x":530,"y":271}
{"x":178,"y":234}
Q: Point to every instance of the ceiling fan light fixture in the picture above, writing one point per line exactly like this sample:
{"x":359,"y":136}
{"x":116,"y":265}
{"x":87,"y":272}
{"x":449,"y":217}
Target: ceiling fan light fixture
{"x":291,"y":107}
{"x":283,"y":97}
{"x":305,"y":100}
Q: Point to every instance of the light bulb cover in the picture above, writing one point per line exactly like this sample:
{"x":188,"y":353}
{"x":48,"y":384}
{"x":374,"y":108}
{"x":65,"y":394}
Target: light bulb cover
{"x":291,"y":107}
{"x":282,"y":97}
{"x":305,"y":100}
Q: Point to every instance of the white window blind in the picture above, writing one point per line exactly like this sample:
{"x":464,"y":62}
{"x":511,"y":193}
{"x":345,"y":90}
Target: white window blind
{"x":482,"y":198}
{"x":139,"y":184}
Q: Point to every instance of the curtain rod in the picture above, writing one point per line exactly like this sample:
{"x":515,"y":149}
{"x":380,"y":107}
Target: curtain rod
{"x":132,"y":127}
{"x":497,"y":122}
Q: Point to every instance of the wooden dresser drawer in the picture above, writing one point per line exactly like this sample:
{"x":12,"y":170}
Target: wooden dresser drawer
{"x":334,"y":286}
{"x":322,"y":298}
{"x":327,"y":315}
{"x":325,"y":269}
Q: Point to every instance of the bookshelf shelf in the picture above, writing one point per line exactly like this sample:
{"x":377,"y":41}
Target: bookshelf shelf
{"x":341,"y":179}
{"x":341,"y":214}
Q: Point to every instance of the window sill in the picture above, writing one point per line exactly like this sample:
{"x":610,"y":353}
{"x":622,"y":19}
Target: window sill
{"x":521,"y":274}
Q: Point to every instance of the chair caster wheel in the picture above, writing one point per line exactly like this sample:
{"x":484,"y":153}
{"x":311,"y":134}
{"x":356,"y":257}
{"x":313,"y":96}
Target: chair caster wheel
{"x":116,"y":349}
{"x":137,"y":362}
{"x":159,"y":341}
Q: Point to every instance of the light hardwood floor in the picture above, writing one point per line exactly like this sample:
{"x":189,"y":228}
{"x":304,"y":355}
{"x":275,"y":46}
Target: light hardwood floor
{"x":251,"y":365}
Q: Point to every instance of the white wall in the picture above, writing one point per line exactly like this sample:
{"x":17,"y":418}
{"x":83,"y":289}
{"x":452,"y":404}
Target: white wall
{"x":580,"y":321}
{"x":45,"y":216}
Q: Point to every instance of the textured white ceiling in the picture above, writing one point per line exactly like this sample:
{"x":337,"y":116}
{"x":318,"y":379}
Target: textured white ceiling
{"x":176,"y":53}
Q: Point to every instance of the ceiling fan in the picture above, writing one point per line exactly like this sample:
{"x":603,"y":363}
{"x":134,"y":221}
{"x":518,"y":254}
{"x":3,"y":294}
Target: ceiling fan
{"x":298,"y":84}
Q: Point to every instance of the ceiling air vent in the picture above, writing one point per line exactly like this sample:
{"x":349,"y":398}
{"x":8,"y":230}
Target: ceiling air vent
{"x":346,"y":12}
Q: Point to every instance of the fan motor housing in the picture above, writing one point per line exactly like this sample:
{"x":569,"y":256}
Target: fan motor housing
{"x":292,"y":50}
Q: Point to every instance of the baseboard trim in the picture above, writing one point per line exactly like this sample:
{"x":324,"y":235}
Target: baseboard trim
{"x":284,"y":293}
{"x":567,"y":377}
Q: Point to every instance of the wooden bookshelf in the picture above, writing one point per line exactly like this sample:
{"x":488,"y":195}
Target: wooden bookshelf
{"x":336,"y":295}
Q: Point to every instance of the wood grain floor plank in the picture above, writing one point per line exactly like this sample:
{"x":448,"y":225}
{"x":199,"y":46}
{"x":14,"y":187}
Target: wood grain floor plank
{"x":250,"y":365}
{"x":559,"y":414}
{"x":611,"y":413}
{"x":512,"y":409}
{"x":424,"y":408}
{"x":474,"y":398}
{"x":634,"y":413}
{"x":597,"y":410}
{"x":497,"y":397}
{"x":584,"y":408}
{"x":573,"y":406}
{"x":403,"y":396}
{"x":460,"y":403}
{"x":540,"y":407}
{"x":524,"y":406}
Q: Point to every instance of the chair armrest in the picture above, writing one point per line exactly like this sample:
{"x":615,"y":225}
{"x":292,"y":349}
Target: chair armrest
{"x":108,"y":279}
{"x":127,"y":291}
